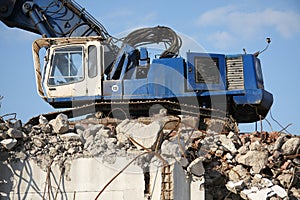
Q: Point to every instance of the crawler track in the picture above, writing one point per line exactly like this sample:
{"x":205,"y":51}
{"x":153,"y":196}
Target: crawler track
{"x":132,"y":109}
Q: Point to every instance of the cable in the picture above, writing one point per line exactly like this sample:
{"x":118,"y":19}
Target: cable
{"x":152,"y":35}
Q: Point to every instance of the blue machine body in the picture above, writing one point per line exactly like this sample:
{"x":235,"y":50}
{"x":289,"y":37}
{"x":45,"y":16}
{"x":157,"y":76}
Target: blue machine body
{"x":234,"y":82}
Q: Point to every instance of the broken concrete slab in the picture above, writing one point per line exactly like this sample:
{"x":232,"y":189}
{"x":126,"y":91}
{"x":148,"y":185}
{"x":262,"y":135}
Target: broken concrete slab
{"x":279,"y":142}
{"x":279,"y":191}
{"x":244,"y":149}
{"x":262,"y":194}
{"x":21,"y":155}
{"x":60,"y":124}
{"x":92,"y":130}
{"x":9,"y":143}
{"x":265,"y":182}
{"x":43,"y":120}
{"x":17,"y":125}
{"x":38,"y":142}
{"x":244,"y":193}
{"x":196,"y":167}
{"x":291,"y":146}
{"x":256,"y":146}
{"x":170,"y":151}
{"x":15,"y":133}
{"x":256,"y":159}
{"x":208,"y":144}
{"x":228,"y":144}
{"x":235,"y":187}
{"x":237,"y":173}
{"x":189,"y":121}
{"x":285,"y":179}
{"x":145,"y":135}
{"x":295,"y":192}
{"x":32,"y":184}
{"x":70,"y":137}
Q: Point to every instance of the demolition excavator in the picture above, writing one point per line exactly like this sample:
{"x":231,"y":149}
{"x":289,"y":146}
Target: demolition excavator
{"x":85,"y":69}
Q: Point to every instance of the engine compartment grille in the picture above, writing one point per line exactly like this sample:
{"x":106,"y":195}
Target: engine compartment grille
{"x":235,"y":73}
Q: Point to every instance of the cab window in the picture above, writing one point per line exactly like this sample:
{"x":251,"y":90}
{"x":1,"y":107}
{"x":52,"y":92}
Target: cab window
{"x":66,"y":66}
{"x":92,"y":63}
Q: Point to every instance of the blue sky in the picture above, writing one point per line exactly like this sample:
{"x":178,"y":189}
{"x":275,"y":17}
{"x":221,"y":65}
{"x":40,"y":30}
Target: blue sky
{"x":216,"y":26}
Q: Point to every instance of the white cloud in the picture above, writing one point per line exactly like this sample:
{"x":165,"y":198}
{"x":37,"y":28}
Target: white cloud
{"x":249,"y":24}
{"x":222,"y":40}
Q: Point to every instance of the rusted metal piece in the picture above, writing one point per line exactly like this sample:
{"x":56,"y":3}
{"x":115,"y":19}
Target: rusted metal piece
{"x":167,"y":183}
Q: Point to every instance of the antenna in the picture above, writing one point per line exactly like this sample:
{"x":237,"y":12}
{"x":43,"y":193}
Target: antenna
{"x":268,"y":40}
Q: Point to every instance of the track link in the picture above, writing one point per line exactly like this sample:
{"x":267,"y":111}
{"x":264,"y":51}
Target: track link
{"x":141,"y":108}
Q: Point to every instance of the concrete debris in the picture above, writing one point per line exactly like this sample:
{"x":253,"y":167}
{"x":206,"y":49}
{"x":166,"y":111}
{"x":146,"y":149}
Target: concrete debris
{"x":196,"y":167}
{"x":15,"y":133}
{"x":290,"y":146}
{"x":235,"y":187}
{"x":279,"y":191}
{"x":9,"y":143}
{"x":145,"y":135}
{"x":172,"y":150}
{"x":227,"y":144}
{"x":285,"y":178}
{"x":263,"y":162}
{"x":256,"y":159}
{"x":60,"y":124}
{"x":70,"y":137}
{"x":295,"y":193}
{"x":234,"y":166}
{"x":237,"y":173}
{"x":262,"y":194}
{"x":43,"y":120}
{"x":279,"y":142}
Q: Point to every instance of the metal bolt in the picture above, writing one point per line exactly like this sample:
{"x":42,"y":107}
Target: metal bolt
{"x":27,"y":6}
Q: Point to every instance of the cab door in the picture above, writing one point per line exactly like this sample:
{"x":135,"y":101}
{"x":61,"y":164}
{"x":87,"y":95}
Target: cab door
{"x":74,"y":72}
{"x":94,"y":70}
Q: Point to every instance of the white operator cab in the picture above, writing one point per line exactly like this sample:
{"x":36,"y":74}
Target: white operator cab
{"x":74,"y":69}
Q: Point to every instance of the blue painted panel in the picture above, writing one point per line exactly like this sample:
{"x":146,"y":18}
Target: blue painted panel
{"x":166,"y":78}
{"x":70,"y":99}
{"x":250,"y":97}
{"x":224,"y":92}
{"x":135,"y":88}
{"x":113,"y":88}
{"x":255,"y":97}
{"x":249,"y":72}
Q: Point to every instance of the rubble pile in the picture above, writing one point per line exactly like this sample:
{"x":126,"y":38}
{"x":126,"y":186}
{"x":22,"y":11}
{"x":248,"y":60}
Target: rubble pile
{"x":252,"y":166}
{"x":44,"y":143}
{"x":234,"y":166}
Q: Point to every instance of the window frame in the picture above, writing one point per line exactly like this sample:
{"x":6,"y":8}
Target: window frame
{"x":95,"y":56}
{"x":81,"y":77}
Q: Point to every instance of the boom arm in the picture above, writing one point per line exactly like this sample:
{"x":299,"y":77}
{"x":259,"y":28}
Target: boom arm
{"x":66,"y":18}
{"x":51,"y":18}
